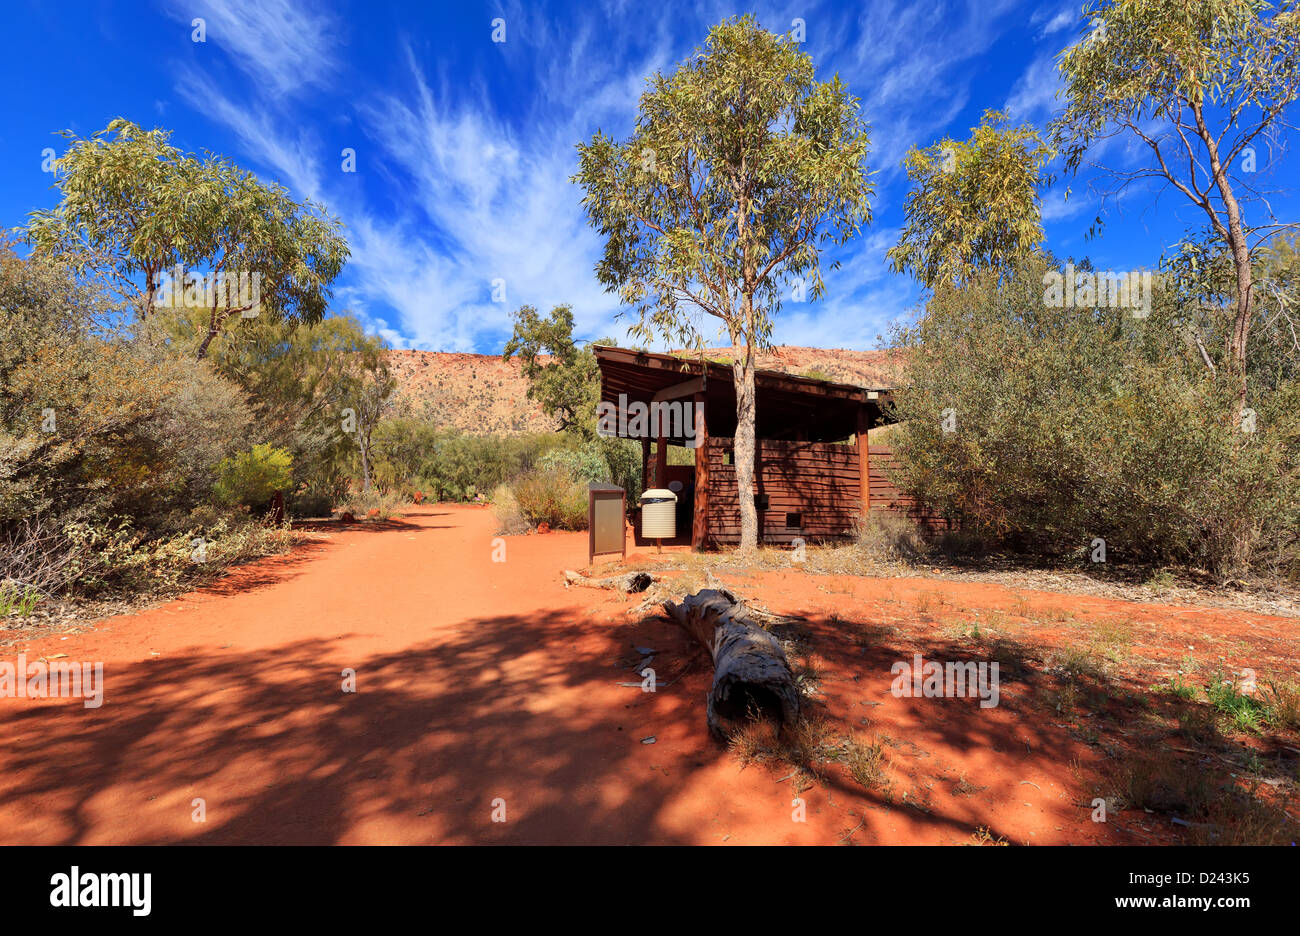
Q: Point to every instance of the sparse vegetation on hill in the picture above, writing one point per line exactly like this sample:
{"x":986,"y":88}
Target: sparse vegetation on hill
{"x":480,"y":394}
{"x":473,"y":393}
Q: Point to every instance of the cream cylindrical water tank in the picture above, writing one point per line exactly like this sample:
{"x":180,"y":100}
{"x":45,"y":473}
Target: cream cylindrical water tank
{"x":658,"y":514}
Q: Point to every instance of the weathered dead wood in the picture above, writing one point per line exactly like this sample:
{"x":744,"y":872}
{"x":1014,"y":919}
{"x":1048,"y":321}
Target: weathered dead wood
{"x":750,"y":673}
{"x":629,"y":584}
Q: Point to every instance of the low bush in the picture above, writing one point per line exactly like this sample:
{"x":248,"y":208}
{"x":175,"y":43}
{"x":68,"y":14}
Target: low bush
{"x":890,"y":536}
{"x":302,"y":506}
{"x":600,"y":461}
{"x":253,"y":477}
{"x":1043,"y":429}
{"x":384,"y":504}
{"x":115,"y":557}
{"x":552,"y":497}
{"x":505,"y":507}
{"x":586,"y":463}
{"x":460,"y":467}
{"x":18,"y":599}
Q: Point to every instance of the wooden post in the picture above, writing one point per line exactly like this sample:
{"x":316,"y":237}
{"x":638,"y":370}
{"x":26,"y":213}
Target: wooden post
{"x":864,"y":460}
{"x":700,"y":513}
{"x":645,"y":464}
{"x":661,"y":462}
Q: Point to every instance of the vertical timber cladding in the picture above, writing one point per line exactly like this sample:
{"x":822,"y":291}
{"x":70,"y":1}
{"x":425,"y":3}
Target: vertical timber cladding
{"x":811,"y":491}
{"x":885,"y":495}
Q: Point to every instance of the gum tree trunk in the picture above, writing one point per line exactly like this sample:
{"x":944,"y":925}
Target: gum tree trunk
{"x":744,"y":453}
{"x":742,"y":370}
{"x":1237,"y":243}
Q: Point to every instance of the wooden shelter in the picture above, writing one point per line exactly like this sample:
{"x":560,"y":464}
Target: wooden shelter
{"x":814,"y":473}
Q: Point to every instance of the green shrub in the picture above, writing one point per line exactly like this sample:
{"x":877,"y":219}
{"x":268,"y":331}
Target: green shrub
{"x":624,"y":459}
{"x":1225,"y":696}
{"x":1179,"y":688}
{"x":14,"y":597}
{"x":1043,"y":428}
{"x":109,"y":438}
{"x":113,"y":557}
{"x":299,"y":377}
{"x":586,"y":464}
{"x":310,"y":505}
{"x":452,"y":466}
{"x":98,"y":420}
{"x":552,"y":497}
{"x":505,"y":507}
{"x":253,"y":477}
{"x":600,"y":461}
{"x":448,"y":465}
{"x":556,"y":491}
{"x":384,"y":503}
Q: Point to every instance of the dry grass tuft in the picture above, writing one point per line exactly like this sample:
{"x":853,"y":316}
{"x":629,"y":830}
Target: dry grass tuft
{"x":1212,"y":813}
{"x":865,"y":760}
{"x":809,"y":747}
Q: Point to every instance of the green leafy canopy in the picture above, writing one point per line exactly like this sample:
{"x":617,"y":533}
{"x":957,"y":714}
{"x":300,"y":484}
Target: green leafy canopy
{"x":1201,"y":86}
{"x":974,"y":204}
{"x":740,"y":165}
{"x":132,"y":206}
{"x":567,"y":384}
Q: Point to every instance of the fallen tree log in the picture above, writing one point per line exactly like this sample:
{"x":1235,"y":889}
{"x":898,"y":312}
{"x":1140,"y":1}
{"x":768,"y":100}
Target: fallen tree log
{"x":629,"y":584}
{"x":751,"y":677}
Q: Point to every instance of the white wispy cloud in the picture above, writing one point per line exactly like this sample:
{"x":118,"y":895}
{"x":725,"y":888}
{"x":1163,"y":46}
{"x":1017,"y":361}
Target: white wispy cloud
{"x":501,"y":205}
{"x":1060,"y":205}
{"x":1050,"y":21}
{"x":1033,"y":98}
{"x":486,"y":204}
{"x":281,"y":45}
{"x":909,"y":65}
{"x":294,"y":154}
{"x":482,"y":191}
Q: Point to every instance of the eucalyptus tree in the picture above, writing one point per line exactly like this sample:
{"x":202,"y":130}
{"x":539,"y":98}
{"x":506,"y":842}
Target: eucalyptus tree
{"x":974,"y":204}
{"x":134,"y":210}
{"x":567,"y":385}
{"x":317,"y":390}
{"x":374,"y":386}
{"x":740,"y":167}
{"x":1201,"y":87}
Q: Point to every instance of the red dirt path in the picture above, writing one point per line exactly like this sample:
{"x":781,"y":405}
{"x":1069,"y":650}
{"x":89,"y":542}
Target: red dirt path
{"x":478,"y":680}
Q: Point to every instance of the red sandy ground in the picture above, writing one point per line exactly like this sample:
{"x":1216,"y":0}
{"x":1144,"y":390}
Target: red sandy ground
{"x":480,"y":680}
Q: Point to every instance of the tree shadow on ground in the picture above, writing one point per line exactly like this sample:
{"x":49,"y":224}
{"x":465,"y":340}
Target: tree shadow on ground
{"x":1138,"y":748}
{"x":262,"y":571}
{"x":516,"y":707}
{"x":282,"y":755}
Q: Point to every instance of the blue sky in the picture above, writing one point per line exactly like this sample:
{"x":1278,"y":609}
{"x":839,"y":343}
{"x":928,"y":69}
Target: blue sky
{"x":464,"y":146}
